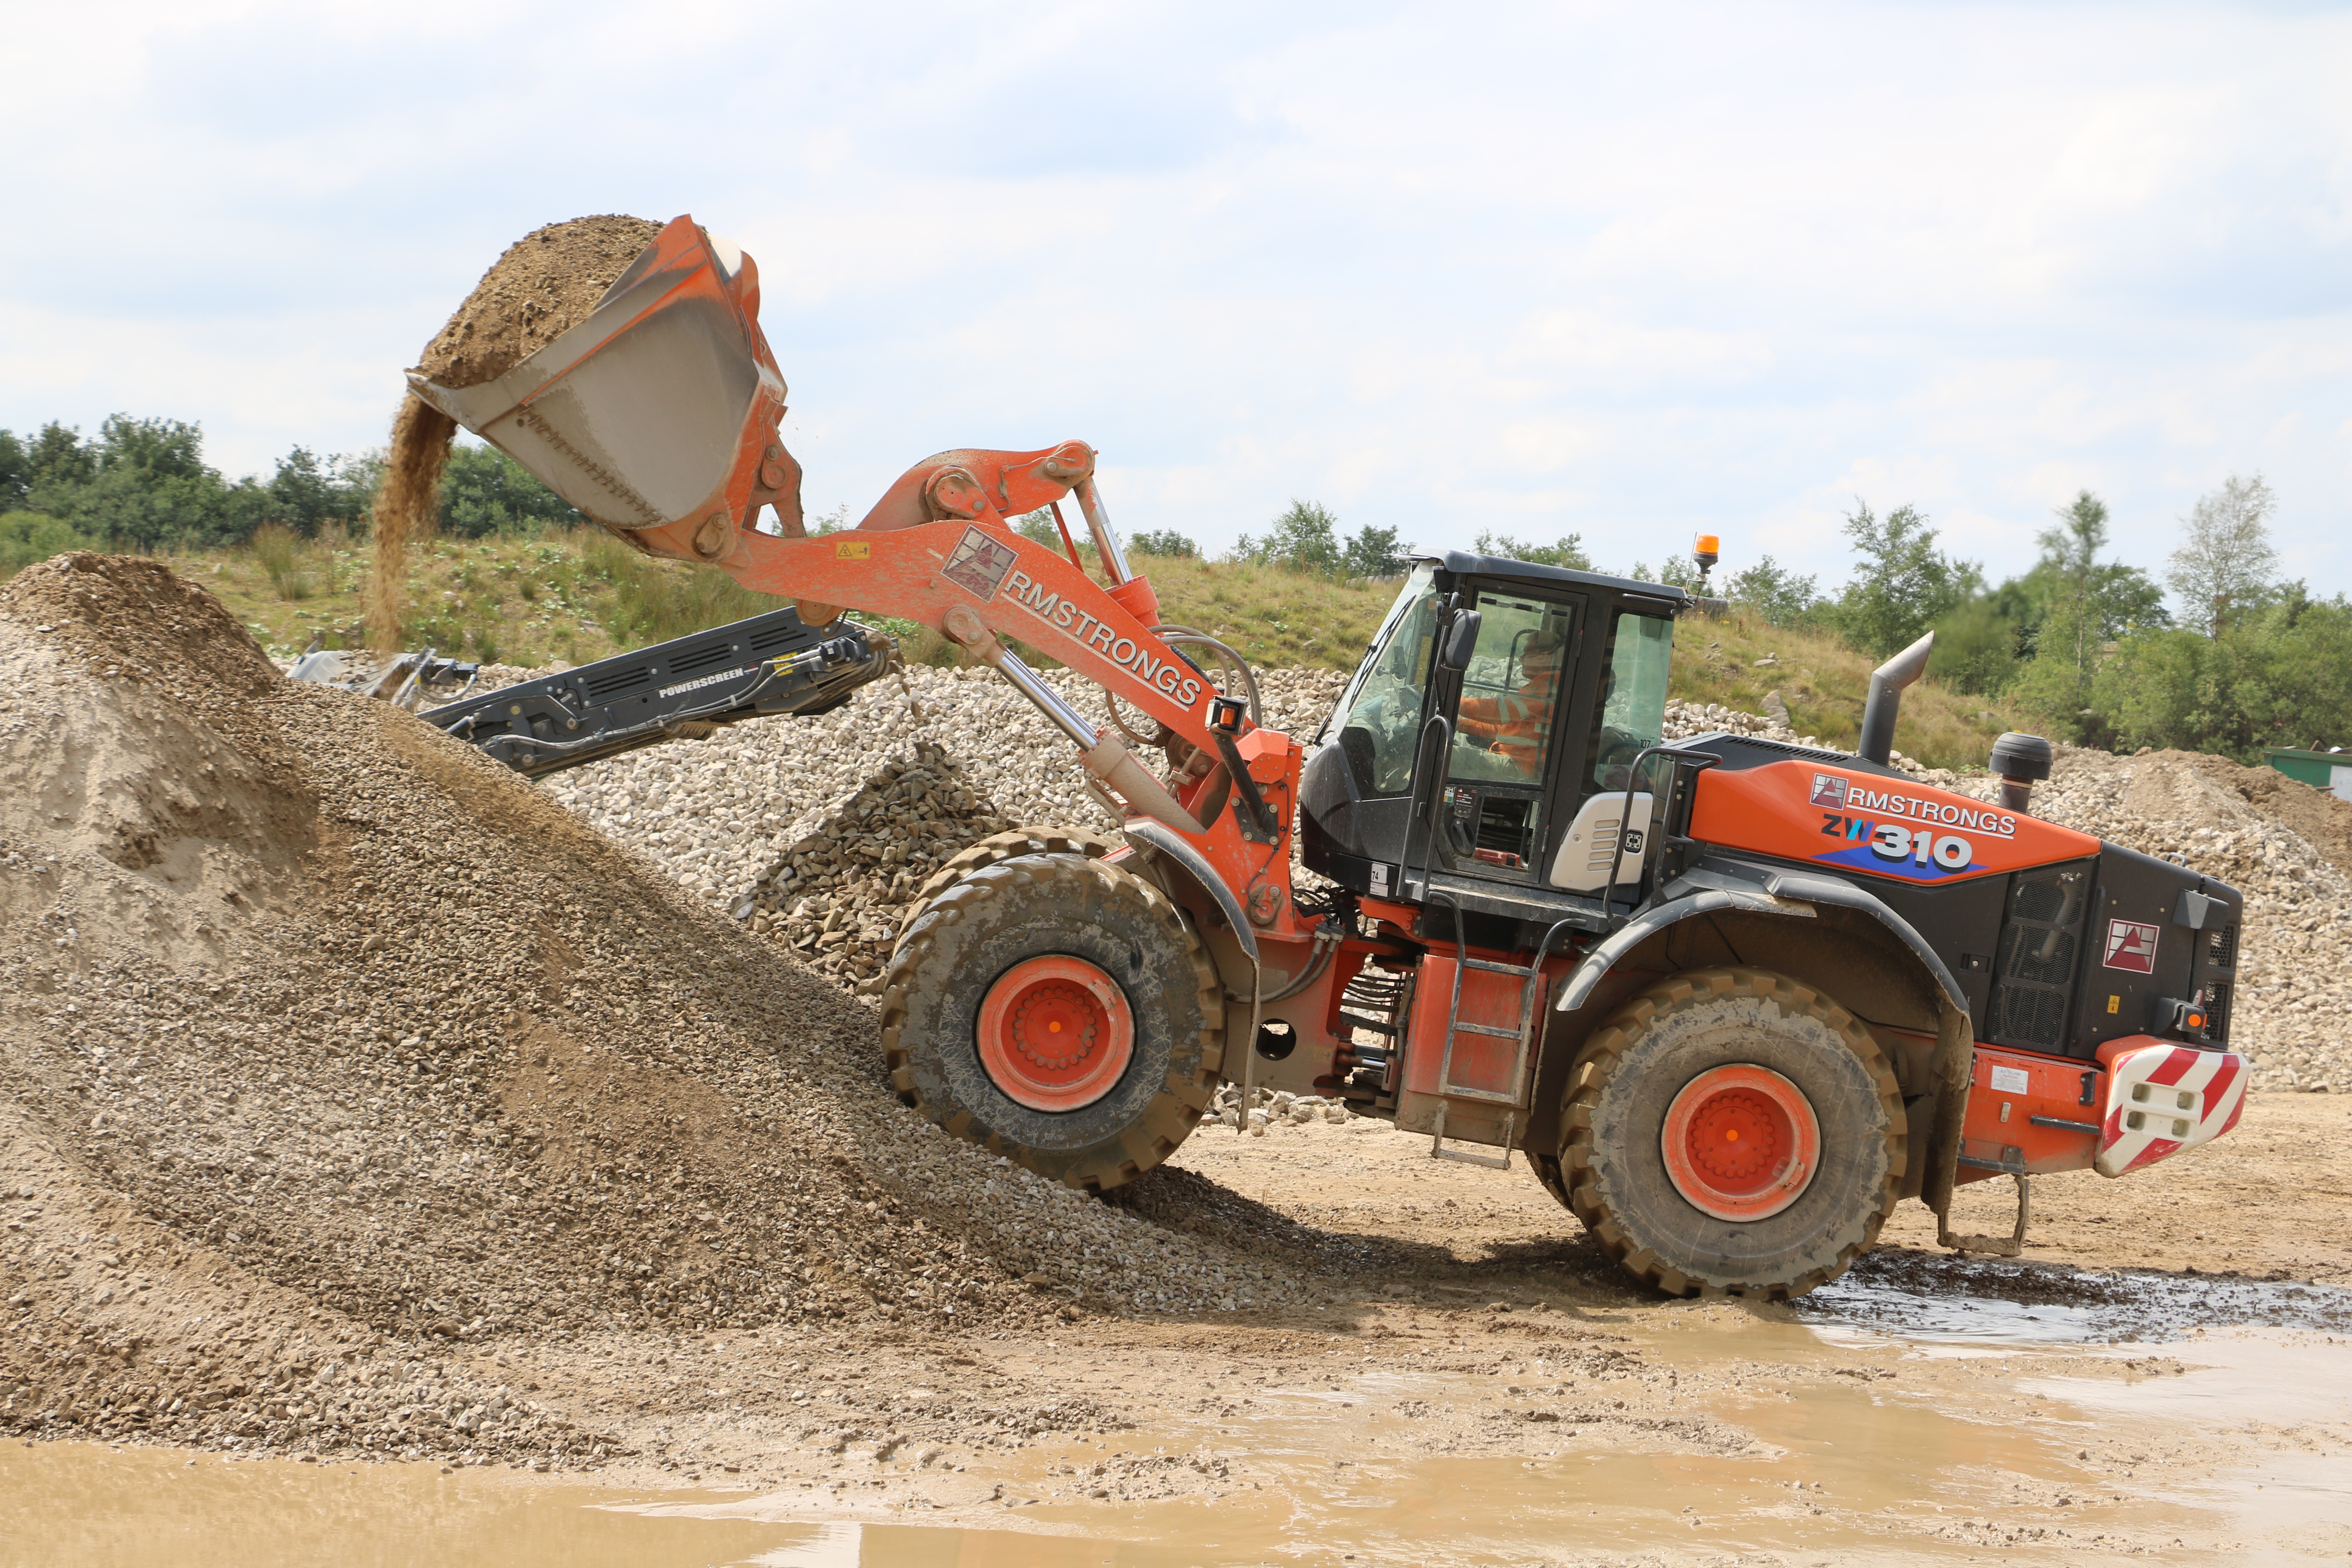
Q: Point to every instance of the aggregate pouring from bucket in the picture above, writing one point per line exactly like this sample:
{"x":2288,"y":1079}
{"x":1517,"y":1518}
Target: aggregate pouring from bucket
{"x":547,"y":282}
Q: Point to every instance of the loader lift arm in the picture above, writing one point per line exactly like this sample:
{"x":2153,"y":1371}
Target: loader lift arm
{"x":657,"y":416}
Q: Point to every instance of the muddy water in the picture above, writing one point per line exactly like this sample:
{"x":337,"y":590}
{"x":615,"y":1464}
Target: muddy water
{"x":1893,"y":1423}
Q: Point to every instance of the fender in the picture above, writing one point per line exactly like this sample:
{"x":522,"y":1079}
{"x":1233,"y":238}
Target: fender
{"x":1715,"y":883}
{"x":1718,"y":882}
{"x":1155,"y":838}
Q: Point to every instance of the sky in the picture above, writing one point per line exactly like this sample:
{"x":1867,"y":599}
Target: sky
{"x":1629,"y":271}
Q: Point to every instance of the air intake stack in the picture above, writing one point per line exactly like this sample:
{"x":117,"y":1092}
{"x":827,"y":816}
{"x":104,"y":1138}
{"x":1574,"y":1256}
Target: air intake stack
{"x":2022,"y":760}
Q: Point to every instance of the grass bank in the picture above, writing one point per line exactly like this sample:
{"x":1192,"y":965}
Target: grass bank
{"x":1741,"y":662}
{"x":575,"y":595}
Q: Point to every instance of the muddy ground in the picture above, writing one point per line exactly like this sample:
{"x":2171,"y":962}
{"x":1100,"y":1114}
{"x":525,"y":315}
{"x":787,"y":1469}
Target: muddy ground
{"x":1928,"y":1401}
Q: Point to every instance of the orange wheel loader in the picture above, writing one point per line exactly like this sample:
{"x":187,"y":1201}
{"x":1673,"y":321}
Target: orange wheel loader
{"x":1731,"y":999}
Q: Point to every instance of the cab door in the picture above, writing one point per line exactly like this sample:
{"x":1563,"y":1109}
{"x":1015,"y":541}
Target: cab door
{"x":1493,"y":816}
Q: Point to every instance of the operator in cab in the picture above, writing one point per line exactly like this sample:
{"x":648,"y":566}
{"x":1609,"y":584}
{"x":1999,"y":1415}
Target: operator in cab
{"x":1514,"y":725}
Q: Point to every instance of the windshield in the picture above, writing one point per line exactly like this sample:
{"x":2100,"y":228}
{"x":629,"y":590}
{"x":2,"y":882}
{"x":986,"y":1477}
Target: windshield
{"x":1377,"y":718}
{"x":1633,"y":714}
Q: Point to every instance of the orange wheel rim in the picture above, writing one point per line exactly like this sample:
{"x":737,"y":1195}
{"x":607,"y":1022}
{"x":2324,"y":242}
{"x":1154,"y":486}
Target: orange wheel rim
{"x":1741,"y":1143}
{"x":1055,"y":1033}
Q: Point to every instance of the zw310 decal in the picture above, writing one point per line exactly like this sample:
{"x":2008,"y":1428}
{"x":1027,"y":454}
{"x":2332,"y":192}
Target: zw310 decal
{"x":1893,"y":841}
{"x":1177,"y":681}
{"x":1902,"y":848}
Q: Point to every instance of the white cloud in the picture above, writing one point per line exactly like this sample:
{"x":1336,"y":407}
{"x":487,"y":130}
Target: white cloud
{"x":1629,"y":272}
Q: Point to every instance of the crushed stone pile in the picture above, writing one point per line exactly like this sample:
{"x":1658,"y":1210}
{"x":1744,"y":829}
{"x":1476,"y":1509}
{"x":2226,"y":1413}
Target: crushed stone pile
{"x":334,"y":1049}
{"x":837,"y":897}
{"x":1685,"y":719}
{"x":2282,"y":844}
{"x":822,"y":831}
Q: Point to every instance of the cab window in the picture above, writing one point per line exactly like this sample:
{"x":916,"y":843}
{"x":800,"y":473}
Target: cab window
{"x":1494,"y":808}
{"x":1631,"y":715}
{"x":1377,"y":718}
{"x":1510,"y":691}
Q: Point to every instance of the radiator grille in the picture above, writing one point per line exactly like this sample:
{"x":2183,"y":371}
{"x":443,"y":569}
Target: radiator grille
{"x":2039,"y":943}
{"x":2221,"y":949}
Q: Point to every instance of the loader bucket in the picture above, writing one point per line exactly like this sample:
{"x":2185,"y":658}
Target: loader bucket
{"x":658,"y":407}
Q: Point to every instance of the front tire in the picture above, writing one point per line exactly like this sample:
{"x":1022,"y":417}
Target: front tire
{"x":1733,"y":1130}
{"x":1058,"y":1011}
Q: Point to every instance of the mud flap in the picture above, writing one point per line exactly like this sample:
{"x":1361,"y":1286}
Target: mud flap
{"x":1954,"y":1067}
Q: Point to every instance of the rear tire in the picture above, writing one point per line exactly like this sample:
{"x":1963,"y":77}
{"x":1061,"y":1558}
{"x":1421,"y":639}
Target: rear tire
{"x":1623,"y":1100}
{"x":989,"y":932}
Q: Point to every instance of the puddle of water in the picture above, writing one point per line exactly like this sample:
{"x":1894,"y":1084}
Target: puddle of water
{"x":2232,"y":1379}
{"x":1977,"y":1301}
{"x":93,"y":1506}
{"x":1813,"y":1467}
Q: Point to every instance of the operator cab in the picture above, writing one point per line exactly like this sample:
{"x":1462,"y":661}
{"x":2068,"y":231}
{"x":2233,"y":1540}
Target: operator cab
{"x":1489,"y":757}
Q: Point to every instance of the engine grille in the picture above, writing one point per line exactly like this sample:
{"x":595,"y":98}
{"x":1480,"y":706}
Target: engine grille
{"x":2041,"y":942}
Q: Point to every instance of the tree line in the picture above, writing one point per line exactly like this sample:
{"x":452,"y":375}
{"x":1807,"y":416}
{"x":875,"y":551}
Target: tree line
{"x":2240,"y":659}
{"x":143,"y":485}
{"x":2086,"y":643}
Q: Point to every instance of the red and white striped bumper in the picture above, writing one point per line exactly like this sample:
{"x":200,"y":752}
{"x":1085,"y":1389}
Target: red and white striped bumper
{"x":2162,"y":1099}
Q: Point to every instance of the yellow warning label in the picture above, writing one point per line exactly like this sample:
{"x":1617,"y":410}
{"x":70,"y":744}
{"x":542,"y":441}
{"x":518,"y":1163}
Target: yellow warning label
{"x":853,"y":550}
{"x":2114,"y":1003}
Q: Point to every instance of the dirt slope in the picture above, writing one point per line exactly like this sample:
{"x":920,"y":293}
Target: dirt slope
{"x":324,"y":1025}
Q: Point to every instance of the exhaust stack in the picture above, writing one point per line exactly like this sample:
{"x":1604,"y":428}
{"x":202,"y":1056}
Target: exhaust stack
{"x":1887,"y":684}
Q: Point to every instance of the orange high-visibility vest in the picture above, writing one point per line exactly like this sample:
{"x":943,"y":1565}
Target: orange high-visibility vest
{"x":1512,"y":725}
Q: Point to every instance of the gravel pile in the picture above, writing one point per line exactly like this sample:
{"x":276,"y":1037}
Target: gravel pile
{"x":837,"y":897}
{"x":332,"y":1047}
{"x":822,"y":831}
{"x":1684,"y":720}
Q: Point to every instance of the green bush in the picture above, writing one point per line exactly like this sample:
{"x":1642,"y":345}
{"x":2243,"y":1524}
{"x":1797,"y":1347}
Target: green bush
{"x":484,"y":491}
{"x":658,"y":600}
{"x":2280,"y":677}
{"x":1567,"y":551}
{"x":29,"y":536}
{"x":1167,"y":543}
{"x":1305,"y":538}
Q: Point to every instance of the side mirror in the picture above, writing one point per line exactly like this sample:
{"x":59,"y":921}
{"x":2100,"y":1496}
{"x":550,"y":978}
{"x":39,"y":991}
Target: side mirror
{"x":1461,"y":639}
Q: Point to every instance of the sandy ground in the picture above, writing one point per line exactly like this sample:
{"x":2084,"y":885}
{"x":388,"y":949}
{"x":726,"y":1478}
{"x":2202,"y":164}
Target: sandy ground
{"x":2160,"y":1375}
